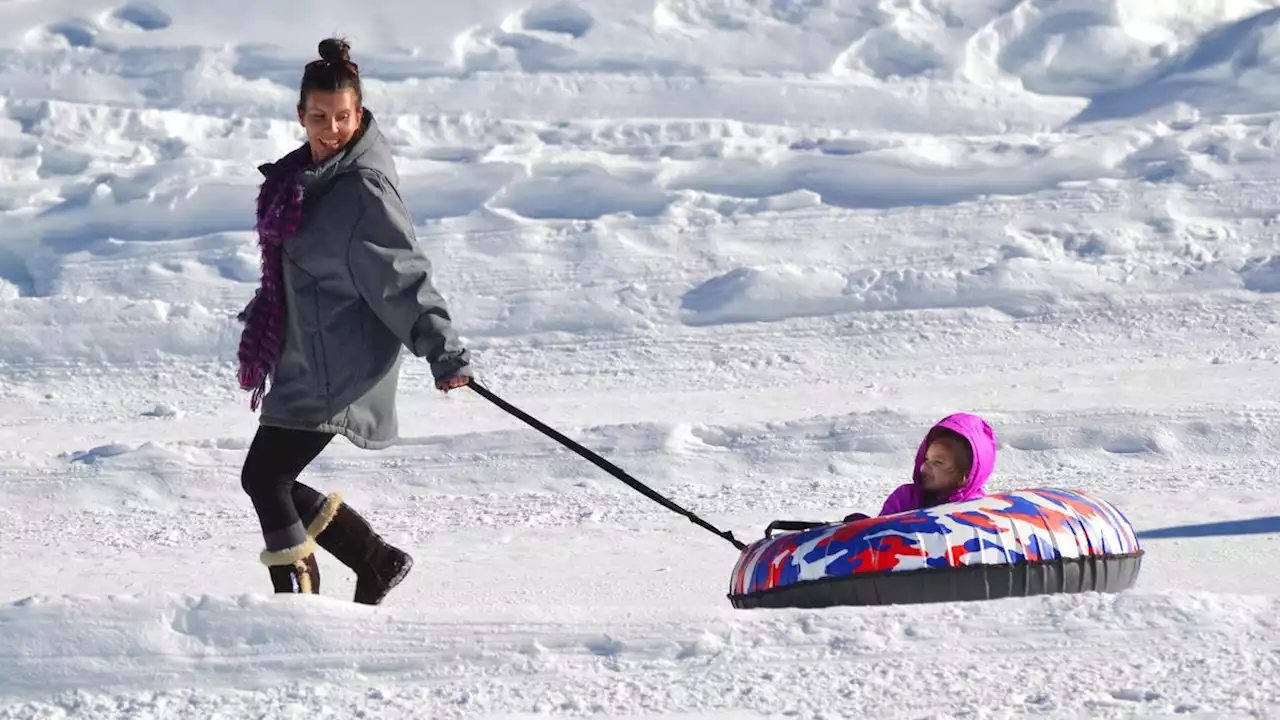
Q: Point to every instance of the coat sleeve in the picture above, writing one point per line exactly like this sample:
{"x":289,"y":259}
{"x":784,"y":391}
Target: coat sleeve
{"x":393,"y":275}
{"x":899,"y":500}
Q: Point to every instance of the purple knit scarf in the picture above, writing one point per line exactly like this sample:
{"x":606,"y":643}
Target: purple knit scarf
{"x":279,"y":210}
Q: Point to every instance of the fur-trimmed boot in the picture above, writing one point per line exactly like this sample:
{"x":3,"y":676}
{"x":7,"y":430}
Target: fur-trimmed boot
{"x":378,"y":565}
{"x":294,"y":570}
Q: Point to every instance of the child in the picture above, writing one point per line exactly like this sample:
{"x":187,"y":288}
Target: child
{"x":952,"y":465}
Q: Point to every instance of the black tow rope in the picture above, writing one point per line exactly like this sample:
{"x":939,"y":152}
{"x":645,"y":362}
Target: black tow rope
{"x":601,"y":463}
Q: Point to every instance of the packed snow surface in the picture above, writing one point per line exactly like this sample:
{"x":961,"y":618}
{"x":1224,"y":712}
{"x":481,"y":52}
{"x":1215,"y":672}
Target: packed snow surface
{"x":749,"y":250}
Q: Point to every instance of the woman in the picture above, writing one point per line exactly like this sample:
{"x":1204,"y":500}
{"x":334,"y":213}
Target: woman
{"x":344,"y":287}
{"x":952,"y":465}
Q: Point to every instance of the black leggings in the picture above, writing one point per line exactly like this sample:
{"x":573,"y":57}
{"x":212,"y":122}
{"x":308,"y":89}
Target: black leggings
{"x":284,"y":506}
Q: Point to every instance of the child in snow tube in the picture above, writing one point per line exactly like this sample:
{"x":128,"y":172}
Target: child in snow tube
{"x":952,"y":465}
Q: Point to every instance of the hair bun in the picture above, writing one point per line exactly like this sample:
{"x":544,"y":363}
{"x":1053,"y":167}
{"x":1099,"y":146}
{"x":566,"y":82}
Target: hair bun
{"x":335,"y":51}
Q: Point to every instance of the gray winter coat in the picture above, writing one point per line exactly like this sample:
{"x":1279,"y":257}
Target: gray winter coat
{"x":358,"y":288}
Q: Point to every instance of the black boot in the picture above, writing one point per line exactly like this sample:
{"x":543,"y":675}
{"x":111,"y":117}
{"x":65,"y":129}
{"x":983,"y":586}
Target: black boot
{"x":290,"y":575}
{"x":378,"y":566}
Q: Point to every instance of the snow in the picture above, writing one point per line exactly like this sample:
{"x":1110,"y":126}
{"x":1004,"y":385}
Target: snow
{"x":746,"y":250}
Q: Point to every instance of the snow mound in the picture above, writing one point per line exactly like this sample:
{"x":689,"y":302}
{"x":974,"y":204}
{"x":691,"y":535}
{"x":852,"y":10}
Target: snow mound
{"x":229,"y":653}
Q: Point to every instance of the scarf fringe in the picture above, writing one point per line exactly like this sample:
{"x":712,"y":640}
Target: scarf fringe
{"x":279,"y":212}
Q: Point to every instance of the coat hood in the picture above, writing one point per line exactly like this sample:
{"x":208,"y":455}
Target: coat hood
{"x":982,"y":440}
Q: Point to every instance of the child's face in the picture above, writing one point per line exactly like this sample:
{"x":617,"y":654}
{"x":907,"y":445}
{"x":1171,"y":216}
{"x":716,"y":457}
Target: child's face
{"x":940,"y":470}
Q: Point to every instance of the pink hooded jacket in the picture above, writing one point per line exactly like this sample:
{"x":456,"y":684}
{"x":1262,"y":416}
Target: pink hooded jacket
{"x":982,"y":439}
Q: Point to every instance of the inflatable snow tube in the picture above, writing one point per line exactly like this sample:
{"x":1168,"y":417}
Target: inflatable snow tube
{"x":1017,"y":544}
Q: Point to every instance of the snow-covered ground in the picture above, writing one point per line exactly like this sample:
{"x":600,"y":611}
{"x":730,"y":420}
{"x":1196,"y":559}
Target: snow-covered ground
{"x":747,"y":249}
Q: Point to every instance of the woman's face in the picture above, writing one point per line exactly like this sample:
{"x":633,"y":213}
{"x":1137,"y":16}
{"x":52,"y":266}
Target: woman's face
{"x":331,"y":119}
{"x":940,"y":471}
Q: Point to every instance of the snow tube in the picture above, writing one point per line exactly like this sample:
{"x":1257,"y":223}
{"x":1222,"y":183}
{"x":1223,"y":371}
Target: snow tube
{"x":1017,"y":544}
